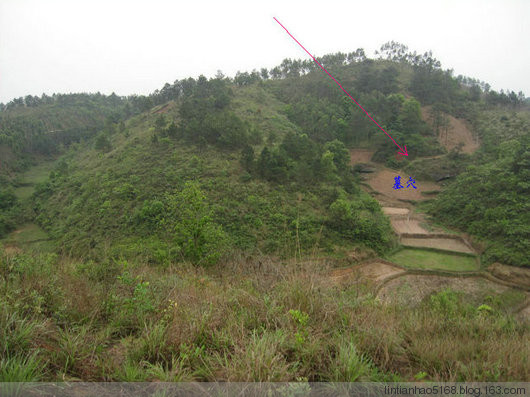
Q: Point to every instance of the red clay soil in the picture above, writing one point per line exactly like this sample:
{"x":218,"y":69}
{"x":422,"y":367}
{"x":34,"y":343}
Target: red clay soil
{"x":383,"y":182}
{"x":457,"y":132}
{"x":360,"y":156}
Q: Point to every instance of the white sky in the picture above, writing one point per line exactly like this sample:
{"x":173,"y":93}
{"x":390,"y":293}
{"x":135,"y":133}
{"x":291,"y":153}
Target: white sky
{"x":136,"y":46}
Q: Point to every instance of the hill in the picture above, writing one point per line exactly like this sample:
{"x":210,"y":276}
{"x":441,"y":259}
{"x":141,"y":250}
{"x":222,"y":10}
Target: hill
{"x":282,"y":139}
{"x":248,"y":229}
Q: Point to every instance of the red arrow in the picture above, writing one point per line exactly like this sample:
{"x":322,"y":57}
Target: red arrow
{"x":402,"y":150}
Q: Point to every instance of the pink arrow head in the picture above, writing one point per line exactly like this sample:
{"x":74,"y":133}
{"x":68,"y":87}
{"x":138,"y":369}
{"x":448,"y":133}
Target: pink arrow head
{"x":403,"y":150}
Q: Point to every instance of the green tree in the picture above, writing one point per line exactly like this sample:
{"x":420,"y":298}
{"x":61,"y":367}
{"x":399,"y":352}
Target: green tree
{"x":341,"y":156}
{"x":410,"y":116}
{"x":264,"y":162}
{"x":160,"y":123}
{"x":247,"y":158}
{"x":199,"y":238}
{"x":102,"y":143}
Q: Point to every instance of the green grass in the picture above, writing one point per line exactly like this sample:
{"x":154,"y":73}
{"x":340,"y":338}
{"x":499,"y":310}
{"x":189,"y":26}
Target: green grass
{"x":24,"y":192}
{"x":426,"y":259}
{"x":28,"y":233}
{"x":32,"y":177}
{"x":30,"y":237}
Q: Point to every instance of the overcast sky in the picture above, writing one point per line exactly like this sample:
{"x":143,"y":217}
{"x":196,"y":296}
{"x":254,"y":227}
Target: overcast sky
{"x":136,"y":46}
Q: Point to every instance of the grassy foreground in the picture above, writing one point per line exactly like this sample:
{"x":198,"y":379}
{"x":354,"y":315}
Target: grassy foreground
{"x":250,"y":320}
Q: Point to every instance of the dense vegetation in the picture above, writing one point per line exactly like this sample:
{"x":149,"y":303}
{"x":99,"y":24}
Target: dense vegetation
{"x":33,"y":128}
{"x":290,"y":129}
{"x":491,"y":199}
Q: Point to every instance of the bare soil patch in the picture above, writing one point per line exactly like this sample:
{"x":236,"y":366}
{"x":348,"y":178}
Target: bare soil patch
{"x":411,"y":289}
{"x":447,"y":244}
{"x":456,"y":133}
{"x":513,"y":274}
{"x":360,"y":156}
{"x":395,"y":211}
{"x":383,"y":182}
{"x":163,"y":109}
{"x":524,"y":315}
{"x":12,"y":249}
{"x":407,"y":226}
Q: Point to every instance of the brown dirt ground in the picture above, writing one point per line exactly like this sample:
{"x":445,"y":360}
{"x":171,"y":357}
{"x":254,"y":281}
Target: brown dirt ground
{"x":376,"y":271}
{"x":447,"y":244}
{"x":517,"y":275}
{"x":12,"y":250}
{"x":411,"y":289}
{"x":383,"y":182}
{"x":458,"y":132}
{"x":360,"y":156}
{"x":407,"y":226}
{"x":395,"y":211}
{"x":524,"y":314}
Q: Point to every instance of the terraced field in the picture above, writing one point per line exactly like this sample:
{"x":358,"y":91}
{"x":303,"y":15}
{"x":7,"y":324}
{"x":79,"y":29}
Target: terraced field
{"x":430,"y":259}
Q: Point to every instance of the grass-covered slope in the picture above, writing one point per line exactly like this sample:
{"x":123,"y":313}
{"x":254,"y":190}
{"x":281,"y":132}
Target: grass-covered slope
{"x":42,"y":126}
{"x":269,"y":160}
{"x":133,"y":196}
{"x":33,"y":130}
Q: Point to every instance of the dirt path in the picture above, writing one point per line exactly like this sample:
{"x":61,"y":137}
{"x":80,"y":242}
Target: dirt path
{"x":395,"y":211}
{"x":358,"y":156}
{"x":383,"y":180}
{"x":407,"y":226}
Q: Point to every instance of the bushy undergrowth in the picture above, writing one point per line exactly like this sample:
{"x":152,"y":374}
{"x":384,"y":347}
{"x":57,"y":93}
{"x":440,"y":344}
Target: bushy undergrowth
{"x":254,"y":321}
{"x":172,"y":205}
{"x":492,"y":201}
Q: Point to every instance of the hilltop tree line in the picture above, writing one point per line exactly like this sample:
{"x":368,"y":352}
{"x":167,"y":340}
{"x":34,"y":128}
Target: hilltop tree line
{"x":36,"y":133}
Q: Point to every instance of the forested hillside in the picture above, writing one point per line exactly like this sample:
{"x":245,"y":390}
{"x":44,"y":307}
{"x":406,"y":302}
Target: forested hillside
{"x":490,"y":199}
{"x":33,"y":129}
{"x":277,"y":140}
